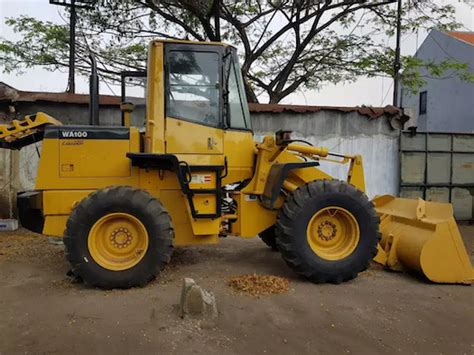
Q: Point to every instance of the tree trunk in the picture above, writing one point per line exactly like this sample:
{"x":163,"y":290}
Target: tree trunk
{"x":274,"y":98}
{"x":251,"y":97}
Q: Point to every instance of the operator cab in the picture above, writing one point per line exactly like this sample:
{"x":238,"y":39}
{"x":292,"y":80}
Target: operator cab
{"x":197,"y":108}
{"x":204,"y":85}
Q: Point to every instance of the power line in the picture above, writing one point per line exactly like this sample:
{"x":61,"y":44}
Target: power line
{"x":106,"y":83}
{"x":388,"y":91}
{"x":441,"y":47}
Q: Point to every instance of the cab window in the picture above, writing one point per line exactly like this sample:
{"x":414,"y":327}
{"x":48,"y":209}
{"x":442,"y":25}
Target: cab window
{"x":193,"y":86}
{"x":237,"y":100}
{"x":237,"y":118}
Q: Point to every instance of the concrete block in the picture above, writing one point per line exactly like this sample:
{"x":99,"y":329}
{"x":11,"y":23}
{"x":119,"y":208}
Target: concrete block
{"x":8,"y":225}
{"x":197,"y":302}
{"x":439,"y":168}
{"x":411,"y":192}
{"x":462,"y":204}
{"x":416,"y":142}
{"x":463,"y":168}
{"x":438,"y":194}
{"x":413,"y":167}
{"x":463,"y":143}
{"x":439,"y":142}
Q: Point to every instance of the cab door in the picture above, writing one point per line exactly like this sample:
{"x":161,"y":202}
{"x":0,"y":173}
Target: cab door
{"x":239,"y":146}
{"x":193,"y":82}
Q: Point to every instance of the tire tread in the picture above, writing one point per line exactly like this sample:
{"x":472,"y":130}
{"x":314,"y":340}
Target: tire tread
{"x":109,"y":199}
{"x":288,"y":218}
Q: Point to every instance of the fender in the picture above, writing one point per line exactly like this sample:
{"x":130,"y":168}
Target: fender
{"x":277,"y":176}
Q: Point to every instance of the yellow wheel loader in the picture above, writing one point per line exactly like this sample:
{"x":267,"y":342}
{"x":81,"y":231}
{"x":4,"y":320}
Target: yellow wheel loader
{"x":122,"y":198}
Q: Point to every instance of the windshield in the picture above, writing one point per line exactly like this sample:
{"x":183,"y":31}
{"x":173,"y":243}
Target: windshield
{"x":193,"y":85}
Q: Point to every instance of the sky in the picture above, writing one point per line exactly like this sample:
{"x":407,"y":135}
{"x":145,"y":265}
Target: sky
{"x":365,"y":91}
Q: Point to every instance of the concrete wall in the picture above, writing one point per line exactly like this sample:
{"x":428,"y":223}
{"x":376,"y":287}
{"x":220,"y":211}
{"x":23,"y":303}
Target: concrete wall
{"x":77,"y":114}
{"x":17,"y":173}
{"x":6,"y":183}
{"x":439,"y":167}
{"x":349,"y":133}
{"x":450,"y":100}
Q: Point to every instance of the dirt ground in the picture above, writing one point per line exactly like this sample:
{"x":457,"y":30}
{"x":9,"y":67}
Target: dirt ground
{"x":43,"y":312}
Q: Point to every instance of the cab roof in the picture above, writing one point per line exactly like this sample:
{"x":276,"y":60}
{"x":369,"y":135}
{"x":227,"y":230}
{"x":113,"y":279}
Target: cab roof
{"x":183,"y":41}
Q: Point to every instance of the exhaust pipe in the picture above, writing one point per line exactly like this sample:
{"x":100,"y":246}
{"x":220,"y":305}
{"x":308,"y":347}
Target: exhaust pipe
{"x":93,"y":93}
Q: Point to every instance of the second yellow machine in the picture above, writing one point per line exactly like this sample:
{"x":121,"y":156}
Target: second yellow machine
{"x":122,"y":198}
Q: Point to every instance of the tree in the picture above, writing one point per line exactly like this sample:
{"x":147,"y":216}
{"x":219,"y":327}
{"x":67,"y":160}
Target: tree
{"x":285,"y":45}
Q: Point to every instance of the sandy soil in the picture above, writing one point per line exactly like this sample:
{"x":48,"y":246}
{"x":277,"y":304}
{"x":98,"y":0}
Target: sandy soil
{"x":43,"y":312}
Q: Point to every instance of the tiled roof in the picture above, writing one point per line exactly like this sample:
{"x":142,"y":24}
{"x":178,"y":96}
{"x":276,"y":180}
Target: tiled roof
{"x":467,"y":37}
{"x":371,"y":112}
{"x":10,"y":94}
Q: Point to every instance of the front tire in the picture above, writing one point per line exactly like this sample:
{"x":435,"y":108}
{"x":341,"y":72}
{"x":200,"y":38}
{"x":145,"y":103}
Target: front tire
{"x":118,"y":237}
{"x":327,"y":231}
{"x":269,"y":238}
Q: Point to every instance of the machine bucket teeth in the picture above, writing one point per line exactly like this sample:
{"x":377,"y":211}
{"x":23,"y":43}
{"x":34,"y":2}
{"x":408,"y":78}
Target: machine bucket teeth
{"x":422,"y":236}
{"x":20,"y":133}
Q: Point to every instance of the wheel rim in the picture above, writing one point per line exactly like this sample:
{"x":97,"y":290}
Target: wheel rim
{"x":118,"y":241}
{"x":333,"y":233}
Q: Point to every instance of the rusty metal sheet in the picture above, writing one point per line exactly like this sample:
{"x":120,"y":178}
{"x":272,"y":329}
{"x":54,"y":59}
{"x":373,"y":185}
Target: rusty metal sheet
{"x":10,"y":94}
{"x":370,"y":112}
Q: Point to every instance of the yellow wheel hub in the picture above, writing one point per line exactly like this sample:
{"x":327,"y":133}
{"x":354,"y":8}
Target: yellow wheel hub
{"x":333,"y":233}
{"x":118,"y":241}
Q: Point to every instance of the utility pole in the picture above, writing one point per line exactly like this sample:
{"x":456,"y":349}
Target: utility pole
{"x":72,"y":4}
{"x":217,"y":19}
{"x":71,"y":88}
{"x":397,"y":65}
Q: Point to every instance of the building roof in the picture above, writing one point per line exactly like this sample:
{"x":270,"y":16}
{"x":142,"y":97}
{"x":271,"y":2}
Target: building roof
{"x":368,"y":111}
{"x":467,"y":37}
{"x":10,"y":94}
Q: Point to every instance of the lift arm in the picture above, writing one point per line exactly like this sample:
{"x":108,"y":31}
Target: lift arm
{"x":20,"y":133}
{"x":355,"y":174}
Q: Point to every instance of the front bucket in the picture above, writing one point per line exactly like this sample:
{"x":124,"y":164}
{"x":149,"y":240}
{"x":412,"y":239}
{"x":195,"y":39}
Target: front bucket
{"x":422,"y":236}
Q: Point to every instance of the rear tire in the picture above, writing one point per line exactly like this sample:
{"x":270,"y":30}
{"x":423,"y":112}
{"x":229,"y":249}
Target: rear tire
{"x":118,"y":237}
{"x":327,"y":231}
{"x":269,"y":238}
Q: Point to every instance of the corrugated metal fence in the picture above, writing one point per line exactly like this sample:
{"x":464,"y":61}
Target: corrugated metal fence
{"x":439,"y":167}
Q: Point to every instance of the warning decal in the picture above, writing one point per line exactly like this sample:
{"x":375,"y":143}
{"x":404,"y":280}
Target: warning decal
{"x":201,"y":179}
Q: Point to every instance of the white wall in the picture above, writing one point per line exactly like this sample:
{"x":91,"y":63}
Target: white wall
{"x":350,"y":133}
{"x":17,"y":173}
{"x":6,"y":184}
